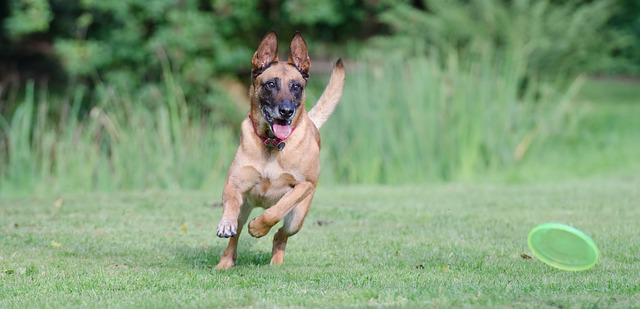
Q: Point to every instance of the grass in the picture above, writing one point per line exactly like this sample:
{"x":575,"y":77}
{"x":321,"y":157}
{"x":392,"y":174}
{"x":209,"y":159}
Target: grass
{"x":603,"y":142}
{"x":119,"y":144}
{"x":468,"y":117}
{"x":442,"y":246}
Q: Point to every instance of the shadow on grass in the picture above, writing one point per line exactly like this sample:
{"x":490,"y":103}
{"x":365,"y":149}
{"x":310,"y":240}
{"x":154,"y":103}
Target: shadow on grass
{"x":208,"y":257}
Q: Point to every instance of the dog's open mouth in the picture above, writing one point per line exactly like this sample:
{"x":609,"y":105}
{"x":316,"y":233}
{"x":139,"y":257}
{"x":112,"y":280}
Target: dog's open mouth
{"x":281,"y":131}
{"x":280,"y":128}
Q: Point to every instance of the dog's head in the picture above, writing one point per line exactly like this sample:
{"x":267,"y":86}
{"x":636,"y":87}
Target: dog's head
{"x":277,"y":90}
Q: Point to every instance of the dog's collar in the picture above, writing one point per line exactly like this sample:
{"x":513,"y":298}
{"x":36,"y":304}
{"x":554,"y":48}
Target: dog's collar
{"x":270,"y":141}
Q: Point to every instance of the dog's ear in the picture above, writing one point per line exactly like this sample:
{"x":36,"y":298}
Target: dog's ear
{"x":299,"y":55}
{"x":266,"y":53}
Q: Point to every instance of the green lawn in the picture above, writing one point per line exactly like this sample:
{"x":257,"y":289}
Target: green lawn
{"x":446,"y":245}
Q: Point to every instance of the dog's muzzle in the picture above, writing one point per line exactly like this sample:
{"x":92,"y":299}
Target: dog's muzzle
{"x":279,"y":117}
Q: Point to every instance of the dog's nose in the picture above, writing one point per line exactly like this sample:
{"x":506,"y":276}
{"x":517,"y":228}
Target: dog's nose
{"x":286,"y":110}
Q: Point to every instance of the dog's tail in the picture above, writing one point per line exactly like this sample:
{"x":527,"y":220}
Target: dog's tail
{"x":330,"y":97}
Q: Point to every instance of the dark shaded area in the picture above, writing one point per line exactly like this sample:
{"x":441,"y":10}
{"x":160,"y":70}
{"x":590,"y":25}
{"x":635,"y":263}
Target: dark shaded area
{"x":130,"y":46}
{"x":33,"y":55}
{"x":130,"y":32}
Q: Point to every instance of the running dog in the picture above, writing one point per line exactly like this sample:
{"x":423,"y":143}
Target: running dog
{"x":277,"y":164}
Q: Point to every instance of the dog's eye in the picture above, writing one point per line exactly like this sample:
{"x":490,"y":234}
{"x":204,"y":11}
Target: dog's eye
{"x":270,"y":85}
{"x":296,"y":87}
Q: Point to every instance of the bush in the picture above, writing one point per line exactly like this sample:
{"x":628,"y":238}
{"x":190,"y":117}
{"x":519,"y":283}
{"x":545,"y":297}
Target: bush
{"x":402,"y":121}
{"x":416,"y":120}
{"x":121,"y":145}
{"x":558,"y":40}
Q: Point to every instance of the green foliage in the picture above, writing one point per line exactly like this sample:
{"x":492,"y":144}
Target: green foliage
{"x":604,"y":141}
{"x":559,"y":40}
{"x":153,"y":99}
{"x":310,"y":11}
{"x":135,"y":34}
{"x":627,"y":22}
{"x":28,"y":16}
{"x":127,"y":44}
{"x":82,"y":57}
{"x":414,"y":120}
{"x":131,"y":37}
{"x":403,"y":121}
{"x":121,"y":145}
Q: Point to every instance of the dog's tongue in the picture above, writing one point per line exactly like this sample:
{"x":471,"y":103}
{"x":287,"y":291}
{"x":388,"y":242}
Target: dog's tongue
{"x":281,"y":131}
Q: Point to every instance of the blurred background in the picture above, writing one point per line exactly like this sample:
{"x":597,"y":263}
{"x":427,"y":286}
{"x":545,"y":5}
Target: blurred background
{"x":149,"y":94}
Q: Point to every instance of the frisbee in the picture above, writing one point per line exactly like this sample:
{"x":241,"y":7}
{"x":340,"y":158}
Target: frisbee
{"x":563,"y":247}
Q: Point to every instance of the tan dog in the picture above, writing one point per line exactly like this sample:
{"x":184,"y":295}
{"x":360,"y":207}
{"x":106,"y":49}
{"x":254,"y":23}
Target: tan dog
{"x":277,"y":164}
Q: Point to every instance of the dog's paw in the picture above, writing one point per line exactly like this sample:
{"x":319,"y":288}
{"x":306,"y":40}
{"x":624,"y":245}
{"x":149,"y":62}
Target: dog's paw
{"x":257,"y":228}
{"x":225,"y":263}
{"x":227,"y":228}
{"x":277,"y":259}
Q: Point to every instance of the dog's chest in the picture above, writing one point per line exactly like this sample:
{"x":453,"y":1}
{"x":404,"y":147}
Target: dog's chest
{"x":274,"y":182}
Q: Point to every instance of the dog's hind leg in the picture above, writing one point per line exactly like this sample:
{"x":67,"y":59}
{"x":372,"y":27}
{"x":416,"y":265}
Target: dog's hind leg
{"x":228,"y":257}
{"x":292,"y":224}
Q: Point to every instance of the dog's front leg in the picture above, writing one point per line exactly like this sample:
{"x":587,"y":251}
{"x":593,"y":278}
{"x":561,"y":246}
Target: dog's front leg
{"x":234,"y":214}
{"x":231,"y":204}
{"x":261,"y":225}
{"x":238,"y":183}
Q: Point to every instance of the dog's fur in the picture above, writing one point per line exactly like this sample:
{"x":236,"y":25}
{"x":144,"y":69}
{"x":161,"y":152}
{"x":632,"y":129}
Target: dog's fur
{"x":282,"y":180}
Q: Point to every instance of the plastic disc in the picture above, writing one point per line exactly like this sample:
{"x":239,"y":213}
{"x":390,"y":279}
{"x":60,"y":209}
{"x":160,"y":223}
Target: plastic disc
{"x":563,"y":247}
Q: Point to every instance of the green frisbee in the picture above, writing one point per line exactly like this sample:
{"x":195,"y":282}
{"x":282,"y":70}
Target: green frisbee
{"x":563,"y":247}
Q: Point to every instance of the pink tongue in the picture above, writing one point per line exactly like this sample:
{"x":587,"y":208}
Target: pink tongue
{"x":281,"y":131}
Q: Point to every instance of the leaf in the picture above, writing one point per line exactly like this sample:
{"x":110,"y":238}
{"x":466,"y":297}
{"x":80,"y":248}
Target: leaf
{"x":55,"y":244}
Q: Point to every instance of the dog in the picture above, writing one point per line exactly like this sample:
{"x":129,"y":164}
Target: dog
{"x":277,"y":164}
